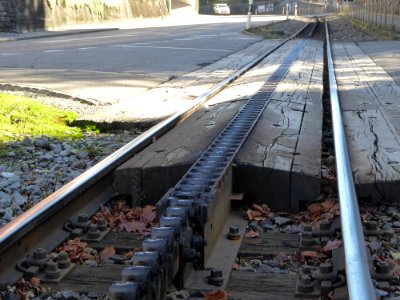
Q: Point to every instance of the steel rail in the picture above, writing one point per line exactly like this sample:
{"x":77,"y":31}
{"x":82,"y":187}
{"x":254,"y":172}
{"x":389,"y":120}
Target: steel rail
{"x":20,"y":226}
{"x":359,"y":282}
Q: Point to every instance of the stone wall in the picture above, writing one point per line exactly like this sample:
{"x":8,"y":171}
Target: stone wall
{"x":8,"y":16}
{"x":31,"y":15}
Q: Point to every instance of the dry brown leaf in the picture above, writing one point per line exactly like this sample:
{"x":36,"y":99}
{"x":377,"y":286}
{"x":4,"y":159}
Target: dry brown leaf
{"x":328,"y":204}
{"x":148,"y":214}
{"x":249,"y":215}
{"x":235,"y":267}
{"x":108,"y":251}
{"x":216,"y":295}
{"x":330,"y":245}
{"x":251,"y":234}
{"x":35,"y":281}
{"x":315,"y":208}
{"x":309,"y":254}
{"x":134,"y":226}
{"x":261,"y":209}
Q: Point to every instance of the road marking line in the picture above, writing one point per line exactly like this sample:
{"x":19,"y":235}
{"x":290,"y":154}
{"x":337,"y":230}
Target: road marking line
{"x":50,"y":51}
{"x":9,"y":54}
{"x":86,"y":48}
{"x":84,"y":38}
{"x":173,"y":48}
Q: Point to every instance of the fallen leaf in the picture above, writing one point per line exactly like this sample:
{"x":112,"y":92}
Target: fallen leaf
{"x":107,"y":251}
{"x":328,"y":204}
{"x":235,"y":267}
{"x":134,"y":226}
{"x":249,"y":215}
{"x":262,"y":209}
{"x":330,"y":245}
{"x":35,"y":281}
{"x":314,"y":208}
{"x":251,"y":234}
{"x":216,"y":295}
{"x":148,"y":214}
{"x":309,"y":254}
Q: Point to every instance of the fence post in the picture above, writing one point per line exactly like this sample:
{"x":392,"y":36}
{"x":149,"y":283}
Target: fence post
{"x":385,"y":8}
{"x":393,"y":16}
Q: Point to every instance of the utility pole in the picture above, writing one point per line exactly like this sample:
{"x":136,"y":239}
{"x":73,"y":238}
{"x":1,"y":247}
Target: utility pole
{"x":248,"y":24}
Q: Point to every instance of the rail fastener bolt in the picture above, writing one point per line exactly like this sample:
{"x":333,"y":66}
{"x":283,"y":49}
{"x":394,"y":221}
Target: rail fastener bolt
{"x":234,"y":233}
{"x":93,"y":232}
{"x":51,"y":270}
{"x":63,"y":261}
{"x":305,"y":284}
{"x":215,"y":278}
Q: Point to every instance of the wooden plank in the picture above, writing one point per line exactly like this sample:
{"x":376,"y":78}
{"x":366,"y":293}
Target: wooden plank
{"x":374,"y":155}
{"x":263,"y":163}
{"x":370,"y":108}
{"x":85,"y":279}
{"x":261,"y":286}
{"x":122,"y":241}
{"x":158,"y":168}
{"x":306,"y":168}
{"x":268,"y":244}
{"x":150,"y":174}
{"x":286,"y":139}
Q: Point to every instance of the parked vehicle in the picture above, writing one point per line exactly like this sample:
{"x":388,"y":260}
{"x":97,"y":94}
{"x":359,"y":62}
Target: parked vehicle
{"x":221,"y":9}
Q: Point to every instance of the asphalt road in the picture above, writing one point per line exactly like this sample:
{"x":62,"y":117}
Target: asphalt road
{"x":114,"y":65}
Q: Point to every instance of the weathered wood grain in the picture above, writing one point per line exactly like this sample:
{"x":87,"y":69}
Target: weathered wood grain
{"x":85,"y":279}
{"x":122,"y":241}
{"x":268,"y":244}
{"x":261,"y":286}
{"x":371,"y":110}
{"x":149,"y":175}
{"x":274,"y":163}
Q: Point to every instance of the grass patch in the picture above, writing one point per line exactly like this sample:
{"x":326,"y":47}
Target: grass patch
{"x":378,"y":31}
{"x":21,"y":116}
{"x":266,"y":33}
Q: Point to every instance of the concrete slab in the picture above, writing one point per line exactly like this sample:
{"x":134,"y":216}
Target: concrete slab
{"x":371,"y":110}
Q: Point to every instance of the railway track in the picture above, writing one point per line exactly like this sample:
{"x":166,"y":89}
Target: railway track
{"x":198,"y":236}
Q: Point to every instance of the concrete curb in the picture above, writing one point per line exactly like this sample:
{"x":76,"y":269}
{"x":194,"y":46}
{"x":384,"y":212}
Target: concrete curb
{"x":46,"y":92}
{"x":48,"y":34}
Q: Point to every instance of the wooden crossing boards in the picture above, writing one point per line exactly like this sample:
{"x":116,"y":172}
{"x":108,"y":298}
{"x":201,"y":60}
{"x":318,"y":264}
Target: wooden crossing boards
{"x":280,"y":161}
{"x":369,"y":100}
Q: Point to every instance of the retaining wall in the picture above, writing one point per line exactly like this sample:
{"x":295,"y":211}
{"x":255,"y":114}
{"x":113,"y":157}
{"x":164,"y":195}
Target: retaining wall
{"x":31,"y":15}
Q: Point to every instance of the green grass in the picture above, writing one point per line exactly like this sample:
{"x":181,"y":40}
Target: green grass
{"x":21,"y":116}
{"x":377,"y":30}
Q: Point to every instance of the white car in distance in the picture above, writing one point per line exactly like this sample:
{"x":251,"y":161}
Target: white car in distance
{"x":221,"y":9}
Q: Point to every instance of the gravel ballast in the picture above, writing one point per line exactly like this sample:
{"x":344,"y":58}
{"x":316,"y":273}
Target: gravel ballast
{"x":36,"y":167}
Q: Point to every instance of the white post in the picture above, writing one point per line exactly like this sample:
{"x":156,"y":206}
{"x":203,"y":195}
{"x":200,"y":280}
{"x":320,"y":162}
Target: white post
{"x":287,"y":11}
{"x":295,"y":10}
{"x":248,"y":24}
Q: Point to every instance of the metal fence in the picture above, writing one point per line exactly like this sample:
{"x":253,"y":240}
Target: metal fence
{"x":383,"y":13}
